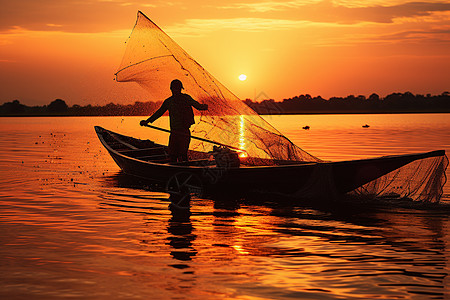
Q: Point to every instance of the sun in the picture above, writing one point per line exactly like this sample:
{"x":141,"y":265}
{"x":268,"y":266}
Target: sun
{"x":242,"y":77}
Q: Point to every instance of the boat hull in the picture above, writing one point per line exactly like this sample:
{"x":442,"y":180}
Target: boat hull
{"x":301,"y":179}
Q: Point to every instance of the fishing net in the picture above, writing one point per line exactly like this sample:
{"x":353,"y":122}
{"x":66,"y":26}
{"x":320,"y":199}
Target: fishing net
{"x":152,"y":59}
{"x":421,"y":180}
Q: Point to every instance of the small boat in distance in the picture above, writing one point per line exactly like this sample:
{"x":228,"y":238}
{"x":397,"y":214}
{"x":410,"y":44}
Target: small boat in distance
{"x":365,"y":126}
{"x":306,"y":127}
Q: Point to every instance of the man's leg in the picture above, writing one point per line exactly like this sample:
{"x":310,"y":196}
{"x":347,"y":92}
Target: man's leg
{"x":179,"y":145}
{"x":184,"y":145}
{"x":173,"y":156}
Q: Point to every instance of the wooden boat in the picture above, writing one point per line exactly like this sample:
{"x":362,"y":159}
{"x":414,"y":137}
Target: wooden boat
{"x":148,"y":160}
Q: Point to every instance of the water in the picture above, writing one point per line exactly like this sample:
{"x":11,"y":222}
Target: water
{"x":72,"y":226}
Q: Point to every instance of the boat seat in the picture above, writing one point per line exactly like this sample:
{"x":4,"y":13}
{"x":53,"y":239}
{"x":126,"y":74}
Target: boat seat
{"x":197,"y":162}
{"x":118,"y":139}
{"x":147,"y":151}
{"x":153,"y":157}
{"x":160,"y":161}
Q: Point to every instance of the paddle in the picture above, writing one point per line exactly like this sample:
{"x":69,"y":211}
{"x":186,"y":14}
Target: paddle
{"x":196,"y":138}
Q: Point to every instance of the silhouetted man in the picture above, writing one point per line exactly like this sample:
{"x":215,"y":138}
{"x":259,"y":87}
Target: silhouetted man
{"x":181,"y":118}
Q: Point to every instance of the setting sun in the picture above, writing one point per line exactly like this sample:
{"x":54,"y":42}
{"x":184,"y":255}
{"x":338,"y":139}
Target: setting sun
{"x":242,"y":77}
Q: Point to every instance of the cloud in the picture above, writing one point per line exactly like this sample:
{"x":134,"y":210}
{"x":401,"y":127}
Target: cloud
{"x":193,"y":27}
{"x":329,"y":11}
{"x":76,"y":16}
{"x":436,"y":35}
{"x":197,"y":17}
{"x":268,"y":6}
{"x":433,"y":38}
{"x":54,"y":25}
{"x":407,"y":29}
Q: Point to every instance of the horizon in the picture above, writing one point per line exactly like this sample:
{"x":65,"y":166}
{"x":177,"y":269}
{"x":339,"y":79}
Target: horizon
{"x":258,"y":100}
{"x":301,"y":104}
{"x":326,"y":48}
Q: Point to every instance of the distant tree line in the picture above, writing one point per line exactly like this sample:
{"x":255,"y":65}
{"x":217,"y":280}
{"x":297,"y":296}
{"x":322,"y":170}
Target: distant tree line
{"x":393,"y":103}
{"x":59,"y":107}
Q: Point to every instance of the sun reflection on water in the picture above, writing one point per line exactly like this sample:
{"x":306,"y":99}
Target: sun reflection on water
{"x":242,"y":137}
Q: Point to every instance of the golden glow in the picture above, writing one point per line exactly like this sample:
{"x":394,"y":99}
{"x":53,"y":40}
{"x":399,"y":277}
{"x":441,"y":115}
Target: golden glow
{"x":240,"y":250}
{"x":242,"y":136}
{"x":242,"y":77}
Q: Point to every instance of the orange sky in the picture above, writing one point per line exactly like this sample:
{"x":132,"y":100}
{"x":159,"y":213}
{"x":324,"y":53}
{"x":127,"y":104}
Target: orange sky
{"x":71,"y":49}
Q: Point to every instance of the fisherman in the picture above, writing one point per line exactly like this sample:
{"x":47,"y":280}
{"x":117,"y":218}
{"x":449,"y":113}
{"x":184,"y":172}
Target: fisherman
{"x":181,"y":118}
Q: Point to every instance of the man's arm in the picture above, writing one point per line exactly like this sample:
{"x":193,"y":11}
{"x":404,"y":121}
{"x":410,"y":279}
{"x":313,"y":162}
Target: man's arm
{"x":156,"y":114}
{"x":198,"y":105}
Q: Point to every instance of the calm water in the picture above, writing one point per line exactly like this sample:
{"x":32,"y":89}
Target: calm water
{"x":73,"y":227}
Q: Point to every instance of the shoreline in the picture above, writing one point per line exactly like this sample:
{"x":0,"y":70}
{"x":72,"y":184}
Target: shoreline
{"x":261,"y":114}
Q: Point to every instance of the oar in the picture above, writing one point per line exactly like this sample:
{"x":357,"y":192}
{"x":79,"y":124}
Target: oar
{"x":197,"y":138}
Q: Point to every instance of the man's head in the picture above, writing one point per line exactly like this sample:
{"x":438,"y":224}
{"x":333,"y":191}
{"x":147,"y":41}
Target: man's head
{"x":176,"y":86}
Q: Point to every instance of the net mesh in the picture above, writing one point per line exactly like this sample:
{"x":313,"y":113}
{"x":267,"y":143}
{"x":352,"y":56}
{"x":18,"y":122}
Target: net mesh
{"x":421,"y":180}
{"x":153,"y":60}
